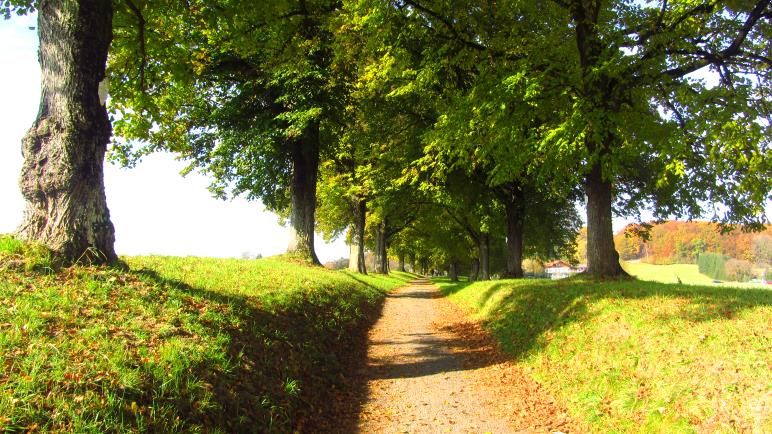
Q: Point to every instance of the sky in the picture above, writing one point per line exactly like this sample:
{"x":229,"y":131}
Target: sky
{"x":153,"y":208}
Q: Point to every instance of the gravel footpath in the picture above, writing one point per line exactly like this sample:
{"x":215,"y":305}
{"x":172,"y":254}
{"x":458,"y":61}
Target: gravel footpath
{"x":431,"y":370}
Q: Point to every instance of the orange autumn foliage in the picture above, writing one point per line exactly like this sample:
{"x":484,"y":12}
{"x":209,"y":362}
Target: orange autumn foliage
{"x":681,"y":242}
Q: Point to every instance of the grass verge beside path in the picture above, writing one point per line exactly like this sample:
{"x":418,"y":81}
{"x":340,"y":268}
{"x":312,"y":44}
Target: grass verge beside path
{"x":176,"y":344}
{"x":633,"y":356}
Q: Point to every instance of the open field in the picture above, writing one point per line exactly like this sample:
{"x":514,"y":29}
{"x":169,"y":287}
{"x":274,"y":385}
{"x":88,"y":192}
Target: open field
{"x":688,"y":273}
{"x":175,"y":344}
{"x":632,"y":356}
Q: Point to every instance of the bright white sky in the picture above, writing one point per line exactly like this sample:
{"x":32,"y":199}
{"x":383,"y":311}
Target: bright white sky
{"x":153,"y":208}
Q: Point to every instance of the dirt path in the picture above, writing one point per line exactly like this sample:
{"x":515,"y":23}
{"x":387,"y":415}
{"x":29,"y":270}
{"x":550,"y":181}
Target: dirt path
{"x":430,"y":370}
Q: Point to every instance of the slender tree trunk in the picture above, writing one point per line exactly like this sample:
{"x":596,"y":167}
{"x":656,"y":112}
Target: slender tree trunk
{"x":305,"y":166}
{"x":484,"y":251}
{"x":357,"y":257}
{"x":413,"y":268}
{"x":401,"y":261}
{"x":425,"y":266}
{"x":602,"y":258}
{"x":514,"y":215}
{"x":474,"y":274}
{"x":453,"y":270}
{"x":62,"y":178}
{"x":353,"y":253}
{"x":381,"y":259}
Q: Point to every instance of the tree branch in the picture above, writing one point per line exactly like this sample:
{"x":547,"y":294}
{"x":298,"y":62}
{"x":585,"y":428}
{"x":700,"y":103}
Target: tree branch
{"x":447,"y":23}
{"x":705,"y":59}
{"x":141,"y":41}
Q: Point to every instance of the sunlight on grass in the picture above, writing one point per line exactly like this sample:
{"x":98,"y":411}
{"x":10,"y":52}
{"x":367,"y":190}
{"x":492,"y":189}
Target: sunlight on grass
{"x":632,"y":356}
{"x":176,"y":344}
{"x":689,"y":274}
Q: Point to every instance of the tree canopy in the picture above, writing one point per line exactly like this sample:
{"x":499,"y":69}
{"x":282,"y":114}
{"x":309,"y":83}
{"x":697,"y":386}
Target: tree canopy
{"x":424,"y":123}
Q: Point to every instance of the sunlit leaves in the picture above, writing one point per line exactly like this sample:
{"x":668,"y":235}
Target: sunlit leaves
{"x":19,"y":7}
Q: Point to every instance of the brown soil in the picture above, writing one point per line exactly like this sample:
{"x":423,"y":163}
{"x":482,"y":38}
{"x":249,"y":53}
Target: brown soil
{"x":430,"y":369}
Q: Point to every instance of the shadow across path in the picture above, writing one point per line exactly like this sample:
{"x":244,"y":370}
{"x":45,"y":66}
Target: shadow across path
{"x":415,"y":371}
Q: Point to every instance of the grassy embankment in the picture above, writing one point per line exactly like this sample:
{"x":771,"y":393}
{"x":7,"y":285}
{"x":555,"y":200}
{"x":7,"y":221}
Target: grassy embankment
{"x":632,"y":356}
{"x":176,"y":344}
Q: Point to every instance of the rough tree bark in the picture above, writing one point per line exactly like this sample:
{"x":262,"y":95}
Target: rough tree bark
{"x":599,"y":89}
{"x":602,"y":257}
{"x":356,"y":261}
{"x":305,"y":166}
{"x":62,"y":178}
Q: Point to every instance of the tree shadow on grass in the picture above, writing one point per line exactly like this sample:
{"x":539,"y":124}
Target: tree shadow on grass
{"x":289,"y":366}
{"x":521,"y":311}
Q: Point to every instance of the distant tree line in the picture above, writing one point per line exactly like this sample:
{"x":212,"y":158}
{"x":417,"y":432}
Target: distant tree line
{"x":679,"y":242}
{"x":722,"y":267}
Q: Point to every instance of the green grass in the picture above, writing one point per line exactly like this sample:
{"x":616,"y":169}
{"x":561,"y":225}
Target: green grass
{"x":687,"y":273}
{"x":176,"y":344}
{"x":632,"y":356}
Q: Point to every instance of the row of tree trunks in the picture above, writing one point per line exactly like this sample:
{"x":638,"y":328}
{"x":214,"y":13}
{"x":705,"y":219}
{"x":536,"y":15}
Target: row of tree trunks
{"x":62,"y":177}
{"x":305,"y":167}
{"x":357,"y":256}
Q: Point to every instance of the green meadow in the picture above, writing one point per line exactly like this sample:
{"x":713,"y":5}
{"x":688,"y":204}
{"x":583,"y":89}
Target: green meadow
{"x":687,"y":274}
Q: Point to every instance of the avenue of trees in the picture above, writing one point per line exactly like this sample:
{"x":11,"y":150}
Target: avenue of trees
{"x":448,"y":134}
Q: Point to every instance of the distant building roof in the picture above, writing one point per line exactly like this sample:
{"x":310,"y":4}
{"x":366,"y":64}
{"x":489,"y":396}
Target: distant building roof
{"x":557,"y":264}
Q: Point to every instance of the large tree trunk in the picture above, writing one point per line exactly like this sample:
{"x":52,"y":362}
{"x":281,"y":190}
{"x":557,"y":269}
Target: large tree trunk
{"x":602,"y":258}
{"x":514,"y":215}
{"x":62,"y":178}
{"x":483,"y":248}
{"x":381,"y":258}
{"x":357,"y":257}
{"x":305,"y":166}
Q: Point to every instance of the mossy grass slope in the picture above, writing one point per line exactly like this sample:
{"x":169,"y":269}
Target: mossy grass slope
{"x":632,"y":356}
{"x":175,"y":344}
